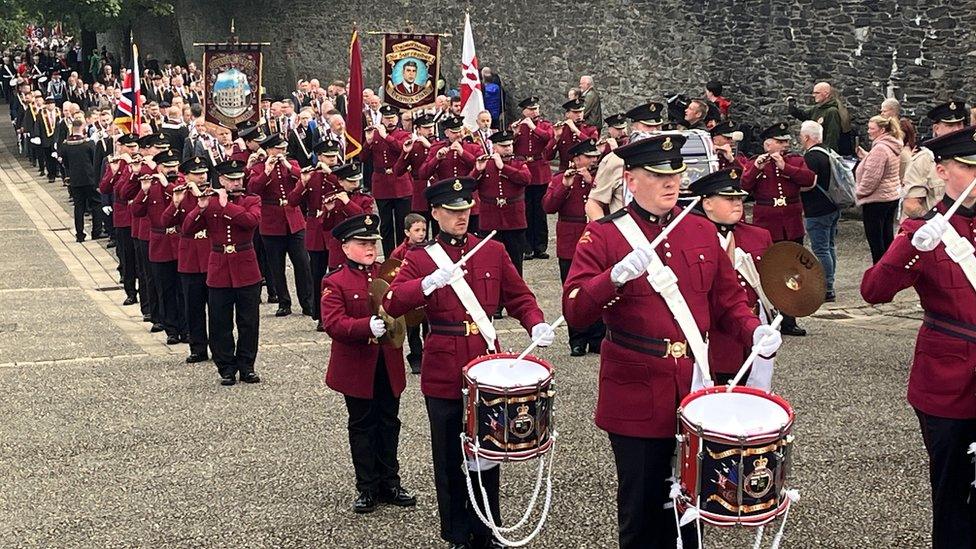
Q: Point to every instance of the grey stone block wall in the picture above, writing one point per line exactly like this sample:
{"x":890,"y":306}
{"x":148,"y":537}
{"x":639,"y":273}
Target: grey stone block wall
{"x":919,"y":51}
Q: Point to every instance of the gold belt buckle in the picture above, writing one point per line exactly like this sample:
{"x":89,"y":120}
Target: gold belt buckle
{"x":319,"y":213}
{"x":501,"y":201}
{"x":388,"y":171}
{"x":282,"y":202}
{"x":470,"y":328}
{"x":676,"y":349}
{"x":201,"y":234}
{"x":530,"y":159}
{"x":170,"y":230}
{"x":230,"y":249}
{"x":780,"y":201}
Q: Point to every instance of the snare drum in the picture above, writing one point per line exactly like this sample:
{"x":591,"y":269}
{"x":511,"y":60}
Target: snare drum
{"x":508,"y":415}
{"x":734,"y":455}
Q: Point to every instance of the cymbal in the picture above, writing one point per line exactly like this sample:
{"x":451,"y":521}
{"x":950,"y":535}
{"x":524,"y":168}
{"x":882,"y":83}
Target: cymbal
{"x":396,"y":328}
{"x":415,"y":317}
{"x":792,"y":278}
{"x":389,"y":269}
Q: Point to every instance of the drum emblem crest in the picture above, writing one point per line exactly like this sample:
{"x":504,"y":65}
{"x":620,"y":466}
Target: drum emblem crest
{"x":760,"y":481}
{"x":523,"y":423}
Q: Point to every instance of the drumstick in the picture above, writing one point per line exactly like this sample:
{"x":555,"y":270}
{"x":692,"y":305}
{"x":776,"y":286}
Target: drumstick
{"x":535,"y":342}
{"x":752,"y":356}
{"x":664,"y":233}
{"x":952,"y":209}
{"x":464,"y":259}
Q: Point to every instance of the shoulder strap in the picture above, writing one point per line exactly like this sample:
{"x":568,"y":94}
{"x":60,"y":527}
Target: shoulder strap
{"x":466,"y":295}
{"x":961,"y":251}
{"x":665,"y":283}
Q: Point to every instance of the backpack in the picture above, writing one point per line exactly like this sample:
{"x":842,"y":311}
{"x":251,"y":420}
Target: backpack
{"x":841,"y":191}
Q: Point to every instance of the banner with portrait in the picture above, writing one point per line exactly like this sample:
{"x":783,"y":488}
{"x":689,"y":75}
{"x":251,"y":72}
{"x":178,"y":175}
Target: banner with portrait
{"x":232,"y":83}
{"x":411,"y":69}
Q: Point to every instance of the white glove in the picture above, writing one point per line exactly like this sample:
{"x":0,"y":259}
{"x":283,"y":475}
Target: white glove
{"x":107,"y":210}
{"x":36,"y":140}
{"x":54,"y":155}
{"x":436,"y":280}
{"x":632,"y":266}
{"x":928,"y":237}
{"x":766,"y":340}
{"x":377,"y":326}
{"x":761,"y":374}
{"x":544,"y":333}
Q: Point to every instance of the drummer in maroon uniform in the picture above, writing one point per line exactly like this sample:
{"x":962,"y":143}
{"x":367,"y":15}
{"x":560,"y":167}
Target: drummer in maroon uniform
{"x":368,"y":372}
{"x":458,"y":303}
{"x":942,"y":383}
{"x":722,"y":203}
{"x":775,"y":179}
{"x":567,"y":195}
{"x":230,"y":218}
{"x":316,"y":185}
{"x":645,"y":363}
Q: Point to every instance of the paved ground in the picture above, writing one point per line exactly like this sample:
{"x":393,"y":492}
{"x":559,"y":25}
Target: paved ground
{"x":109,"y":440}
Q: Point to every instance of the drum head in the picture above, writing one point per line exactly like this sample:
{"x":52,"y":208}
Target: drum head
{"x":506,"y":372}
{"x":736,"y":414}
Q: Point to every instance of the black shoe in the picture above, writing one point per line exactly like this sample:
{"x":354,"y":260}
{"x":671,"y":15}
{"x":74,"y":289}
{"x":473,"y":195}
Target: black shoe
{"x":111,"y":244}
{"x":80,"y":238}
{"x":147,"y":318}
{"x":157,"y":327}
{"x":793,"y":331}
{"x":528,"y":256}
{"x":130,"y":300}
{"x":498,"y":315}
{"x":459,"y":546}
{"x":197,"y":357}
{"x":365,"y":503}
{"x":414,"y":366}
{"x":283,"y":311}
{"x":272,"y":299}
{"x":228,"y":381}
{"x":250,"y":377}
{"x":397,"y":496}
{"x":319,"y":327}
{"x":307,"y":312}
{"x":595,"y":348}
{"x":173,"y":340}
{"x":541,"y":255}
{"x":184,"y":338}
{"x":99,"y":236}
{"x":831,"y":297}
{"x":577,"y":350}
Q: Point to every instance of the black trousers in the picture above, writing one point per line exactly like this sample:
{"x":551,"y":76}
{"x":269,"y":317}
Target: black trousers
{"x":318,"y":265}
{"x":879,"y":226}
{"x":391,"y":212}
{"x":294,"y":246}
{"x":643,"y":468}
{"x":262,"y":256}
{"x":52,"y":167}
{"x":951,"y":475}
{"x":195,"y":310}
{"x":589,"y":336}
{"x":415,"y":338}
{"x":515,"y":244}
{"x":458,"y":520}
{"x":374,"y":434}
{"x":148,"y":302}
{"x":85,"y":200}
{"x":127,"y":259}
{"x":169,"y":296}
{"x":537,"y":231}
{"x":227,"y":307}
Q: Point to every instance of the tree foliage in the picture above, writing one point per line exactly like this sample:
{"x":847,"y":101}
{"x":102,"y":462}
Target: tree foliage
{"x":82,"y":15}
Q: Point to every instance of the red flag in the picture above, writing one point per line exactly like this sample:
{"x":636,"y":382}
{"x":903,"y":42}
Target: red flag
{"x":354,"y":97}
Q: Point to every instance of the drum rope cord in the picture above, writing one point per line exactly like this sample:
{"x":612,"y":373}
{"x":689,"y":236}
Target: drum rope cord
{"x":972,"y":450}
{"x":759,"y":536}
{"x":488,"y":520}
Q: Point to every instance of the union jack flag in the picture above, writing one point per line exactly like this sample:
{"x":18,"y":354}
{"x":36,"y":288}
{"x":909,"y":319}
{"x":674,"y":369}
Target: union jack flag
{"x":128,"y":111}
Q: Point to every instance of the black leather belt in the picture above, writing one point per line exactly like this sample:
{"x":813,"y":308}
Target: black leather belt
{"x":458,"y":329}
{"x":158,"y":230}
{"x":279,"y":202}
{"x":232,"y":248}
{"x":573,"y":218}
{"x":950,"y":326}
{"x":776,"y":202}
{"x":662,"y":348}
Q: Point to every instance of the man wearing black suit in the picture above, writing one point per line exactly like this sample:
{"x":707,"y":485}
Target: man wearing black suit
{"x":174,"y":129}
{"x":302,"y":139}
{"x":79,"y":157}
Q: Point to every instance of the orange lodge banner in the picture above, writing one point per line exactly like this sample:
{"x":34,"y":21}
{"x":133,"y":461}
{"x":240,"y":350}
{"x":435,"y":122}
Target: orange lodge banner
{"x":232,"y":83}
{"x":411,"y":69}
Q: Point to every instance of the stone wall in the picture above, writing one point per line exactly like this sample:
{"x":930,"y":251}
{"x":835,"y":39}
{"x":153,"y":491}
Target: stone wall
{"x":918,"y":51}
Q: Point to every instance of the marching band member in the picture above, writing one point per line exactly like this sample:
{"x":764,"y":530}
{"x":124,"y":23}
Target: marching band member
{"x":501,"y":185}
{"x":112,"y":182}
{"x":193,"y":255}
{"x":391,"y":191}
{"x":368,"y":372}
{"x":349,"y":201}
{"x":251,"y":153}
{"x":617,"y":134}
{"x":566,"y":197}
{"x":571,"y":131}
{"x":934,"y":255}
{"x":722,"y":203}
{"x":416,"y":237}
{"x":775,"y":179}
{"x":457,"y":307}
{"x":646,"y":364}
{"x":724,"y":137}
{"x":149,"y":146}
{"x":230,"y":217}
{"x":412,"y":158}
{"x":532,"y":135}
{"x":452,"y":157}
{"x":310,"y":193}
{"x":282,"y":226}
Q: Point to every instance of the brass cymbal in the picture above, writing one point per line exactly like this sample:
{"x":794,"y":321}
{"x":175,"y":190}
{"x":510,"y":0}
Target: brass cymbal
{"x":396,"y":328}
{"x":377,"y":291}
{"x":389,"y":269}
{"x":792,"y":278}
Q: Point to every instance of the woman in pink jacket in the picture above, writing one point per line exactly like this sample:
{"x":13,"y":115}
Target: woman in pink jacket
{"x":879,"y":183}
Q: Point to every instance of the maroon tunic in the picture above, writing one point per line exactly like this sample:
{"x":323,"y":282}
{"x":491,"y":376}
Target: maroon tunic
{"x":530,"y":147}
{"x":233,"y":225}
{"x":194,"y":252}
{"x":384,"y":151}
{"x":311,"y":195}
{"x":164,"y":239}
{"x":410,"y":163}
{"x":777,"y":192}
{"x":569,"y":203}
{"x":502,"y":194}
{"x":565,"y":139}
{"x":277,"y":217}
